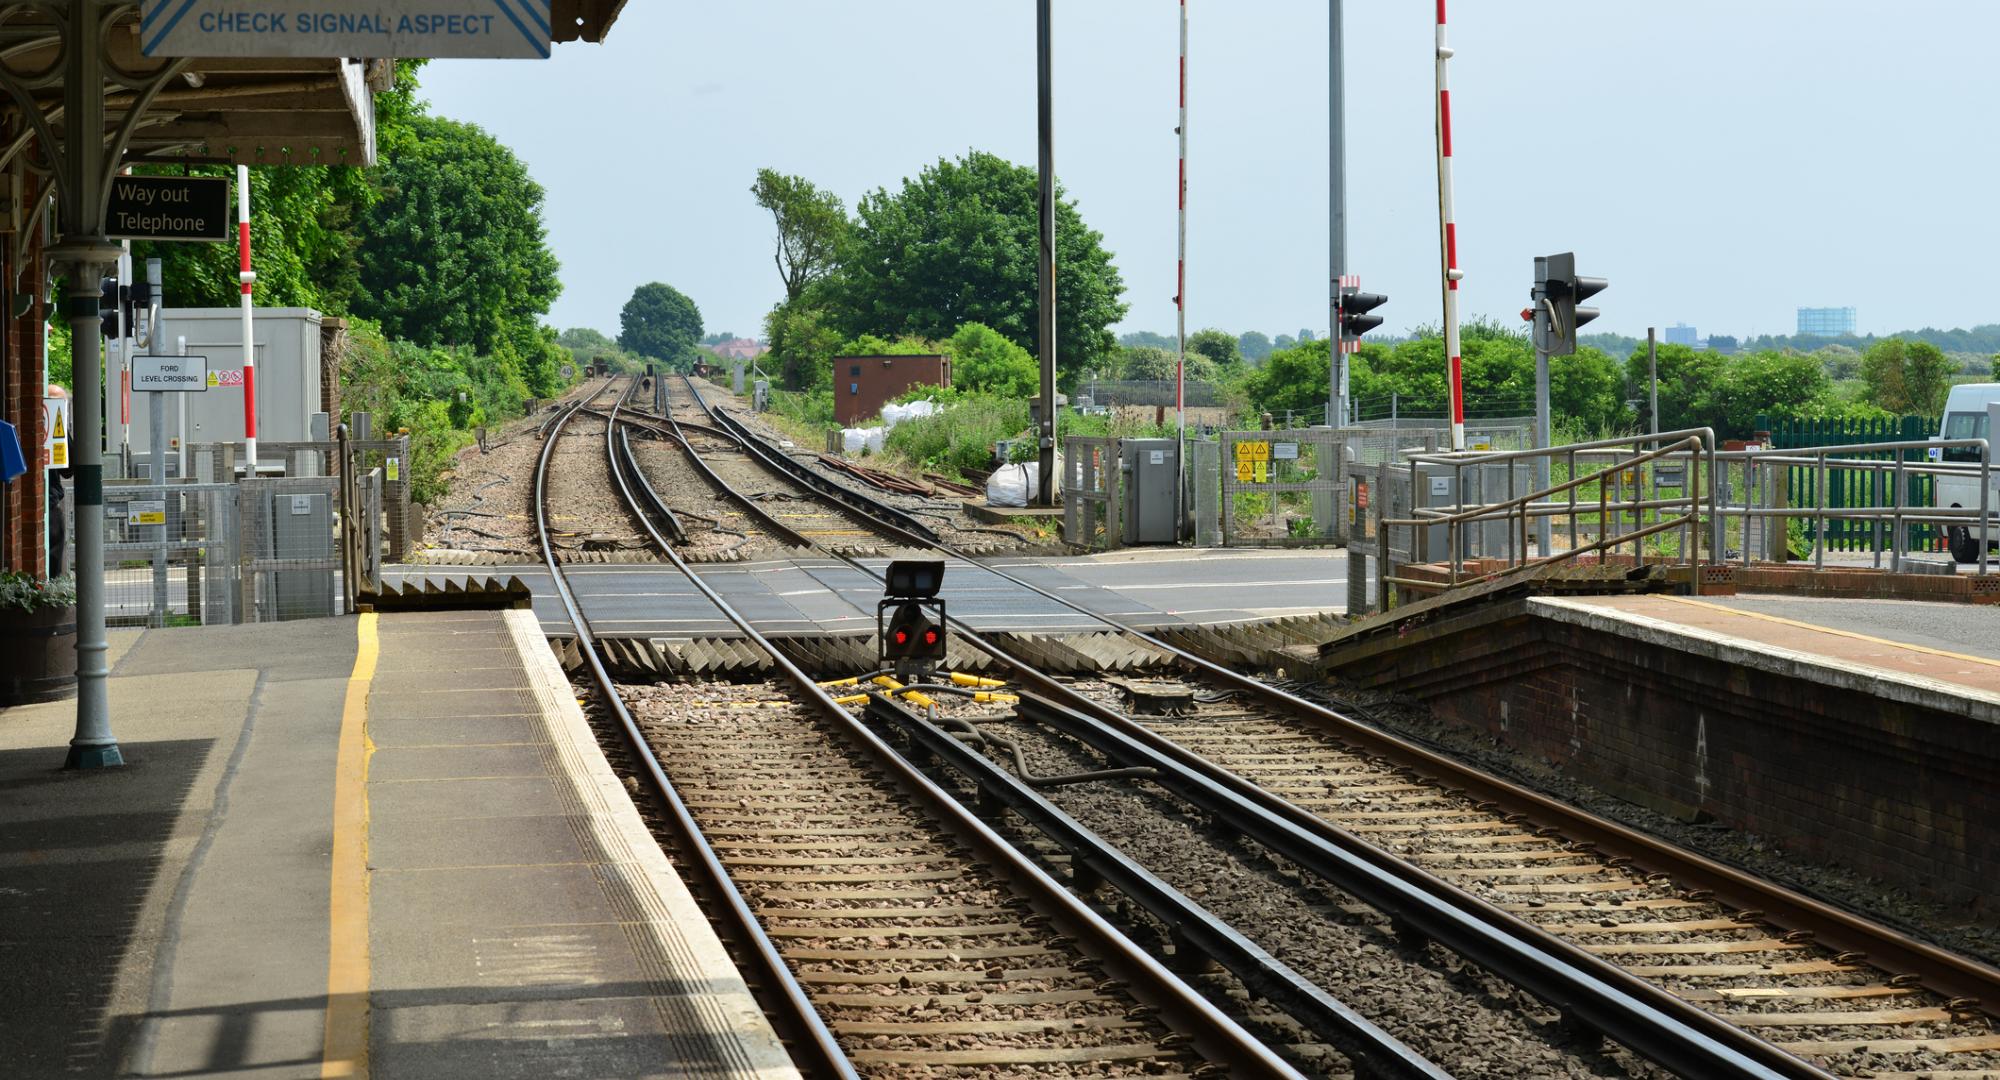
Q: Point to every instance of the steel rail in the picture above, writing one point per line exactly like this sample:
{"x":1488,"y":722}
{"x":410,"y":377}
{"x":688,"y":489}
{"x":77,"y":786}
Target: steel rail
{"x":1379,"y":1054}
{"x":1150,"y":981}
{"x":1945,"y":973}
{"x":764,"y":518}
{"x":1598,"y":996}
{"x":675,"y":530}
{"x":898,"y":522}
{"x":812,"y":1042}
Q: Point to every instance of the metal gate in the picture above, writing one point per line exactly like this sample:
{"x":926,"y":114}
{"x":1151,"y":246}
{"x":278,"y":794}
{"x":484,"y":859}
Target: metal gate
{"x":1281,"y":488}
{"x":1093,"y":514}
{"x":170,"y":554}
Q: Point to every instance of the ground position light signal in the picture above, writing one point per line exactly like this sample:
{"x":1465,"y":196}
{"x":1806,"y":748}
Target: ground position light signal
{"x":913,"y":636}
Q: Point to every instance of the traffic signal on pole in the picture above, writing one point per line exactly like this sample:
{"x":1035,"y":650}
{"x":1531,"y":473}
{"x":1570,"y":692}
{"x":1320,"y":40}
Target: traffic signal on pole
{"x":1559,"y":286}
{"x":109,"y":296}
{"x":913,"y":635}
{"x":1354,"y":318}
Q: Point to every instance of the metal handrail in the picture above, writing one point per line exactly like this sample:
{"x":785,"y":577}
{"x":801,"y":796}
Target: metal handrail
{"x":1694,"y":442}
{"x":1619,"y":455}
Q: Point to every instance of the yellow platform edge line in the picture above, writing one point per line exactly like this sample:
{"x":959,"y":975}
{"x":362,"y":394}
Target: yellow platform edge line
{"x":1983,"y":660}
{"x":344,"y":1050}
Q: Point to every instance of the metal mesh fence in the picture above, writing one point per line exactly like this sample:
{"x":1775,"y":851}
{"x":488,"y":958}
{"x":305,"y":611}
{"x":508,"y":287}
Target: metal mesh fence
{"x":1156,"y":392}
{"x":1279,"y":487}
{"x":170,"y":554}
{"x":290,"y":557}
{"x":1092,"y":515}
{"x":1204,"y":465}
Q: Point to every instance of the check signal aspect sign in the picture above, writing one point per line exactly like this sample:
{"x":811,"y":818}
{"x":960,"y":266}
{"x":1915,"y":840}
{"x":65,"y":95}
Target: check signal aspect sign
{"x":461,"y":29}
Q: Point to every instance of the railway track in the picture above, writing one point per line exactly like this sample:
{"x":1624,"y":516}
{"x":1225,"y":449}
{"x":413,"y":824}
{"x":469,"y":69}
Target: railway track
{"x":772,"y":504}
{"x":885,"y":928}
{"x":1785,"y":984}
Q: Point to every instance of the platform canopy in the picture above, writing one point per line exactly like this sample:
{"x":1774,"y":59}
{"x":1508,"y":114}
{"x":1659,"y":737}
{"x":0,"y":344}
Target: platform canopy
{"x":250,"y":111}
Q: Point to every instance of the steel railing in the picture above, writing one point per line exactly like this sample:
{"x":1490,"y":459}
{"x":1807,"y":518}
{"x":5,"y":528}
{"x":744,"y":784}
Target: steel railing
{"x":1695,"y":512}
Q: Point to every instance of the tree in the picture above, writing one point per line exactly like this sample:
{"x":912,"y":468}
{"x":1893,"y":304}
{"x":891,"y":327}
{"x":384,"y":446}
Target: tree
{"x":812,"y":224}
{"x":1148,"y":362}
{"x":1254,"y":346}
{"x":1293,"y":379}
{"x":1906,"y":376}
{"x":454,"y":252}
{"x":306,"y":222}
{"x":960,"y":244}
{"x":1219,"y":347}
{"x":982,"y":360}
{"x":1839,"y":361}
{"x":1928,"y":374}
{"x":1688,"y":379}
{"x":1283,"y":341}
{"x":1767,"y":382}
{"x":1147,"y":337}
{"x":661,"y":322}
{"x":803,"y":344}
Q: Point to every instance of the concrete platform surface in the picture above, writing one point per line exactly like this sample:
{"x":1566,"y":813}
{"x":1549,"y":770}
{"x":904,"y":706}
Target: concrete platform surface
{"x":1864,"y":645}
{"x":816,"y":595}
{"x":1973,"y":629}
{"x":380,"y":846}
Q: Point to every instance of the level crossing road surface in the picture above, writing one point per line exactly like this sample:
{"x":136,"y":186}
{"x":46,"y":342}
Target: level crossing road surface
{"x":817,"y":595}
{"x":382,"y":845}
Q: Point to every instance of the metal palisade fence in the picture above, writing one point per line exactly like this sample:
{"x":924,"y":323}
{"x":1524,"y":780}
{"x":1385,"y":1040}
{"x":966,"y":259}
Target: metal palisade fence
{"x":1857,"y":487}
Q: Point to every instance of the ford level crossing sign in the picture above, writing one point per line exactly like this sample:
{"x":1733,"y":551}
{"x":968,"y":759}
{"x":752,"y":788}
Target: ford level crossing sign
{"x":181,"y":374}
{"x":410,"y":29}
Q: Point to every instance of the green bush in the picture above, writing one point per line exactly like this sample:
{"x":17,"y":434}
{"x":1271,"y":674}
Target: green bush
{"x":805,"y":407}
{"x":961,"y":437}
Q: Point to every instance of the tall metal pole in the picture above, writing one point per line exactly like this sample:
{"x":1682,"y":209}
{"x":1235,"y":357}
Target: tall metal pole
{"x":83,"y":256}
{"x":248,"y":278}
{"x":1180,"y":301}
{"x":1045,"y":111}
{"x":1336,"y":394}
{"x":1448,"y":231}
{"x":1653,"y":378}
{"x":1542,"y":334}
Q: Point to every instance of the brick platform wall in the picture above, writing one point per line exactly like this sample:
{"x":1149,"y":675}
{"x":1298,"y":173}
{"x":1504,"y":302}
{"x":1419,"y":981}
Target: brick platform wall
{"x":1894,"y":790}
{"x":25,"y":500}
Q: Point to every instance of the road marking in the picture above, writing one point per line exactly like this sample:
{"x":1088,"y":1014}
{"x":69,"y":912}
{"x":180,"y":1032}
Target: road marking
{"x":344,"y":1051}
{"x":1984,"y":660}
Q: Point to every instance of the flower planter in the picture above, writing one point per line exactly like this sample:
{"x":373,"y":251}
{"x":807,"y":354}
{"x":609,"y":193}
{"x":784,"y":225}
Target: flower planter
{"x":37,"y":655}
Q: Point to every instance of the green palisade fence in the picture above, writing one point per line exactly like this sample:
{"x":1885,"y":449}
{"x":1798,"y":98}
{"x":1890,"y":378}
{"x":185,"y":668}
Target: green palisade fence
{"x":1857,"y":487}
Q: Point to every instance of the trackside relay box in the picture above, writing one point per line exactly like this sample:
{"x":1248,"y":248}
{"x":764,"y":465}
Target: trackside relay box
{"x":288,"y":377}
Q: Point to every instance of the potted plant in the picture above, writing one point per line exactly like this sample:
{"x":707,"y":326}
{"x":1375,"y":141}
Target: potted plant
{"x":37,"y":638}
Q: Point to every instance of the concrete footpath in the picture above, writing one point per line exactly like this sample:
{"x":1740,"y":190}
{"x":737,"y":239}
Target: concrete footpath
{"x":348,"y":847}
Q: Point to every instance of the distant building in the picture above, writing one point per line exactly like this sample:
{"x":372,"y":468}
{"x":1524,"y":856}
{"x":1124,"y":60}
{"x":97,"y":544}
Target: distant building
{"x":1682,"y":334}
{"x":863,"y":384}
{"x":739,"y":349}
{"x":1825,"y":321}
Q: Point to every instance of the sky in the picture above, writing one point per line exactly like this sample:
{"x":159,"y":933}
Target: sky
{"x":1721,"y":163}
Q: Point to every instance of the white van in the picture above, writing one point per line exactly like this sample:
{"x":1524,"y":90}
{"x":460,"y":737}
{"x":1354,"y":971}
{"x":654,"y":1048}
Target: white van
{"x":1965,"y":418}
